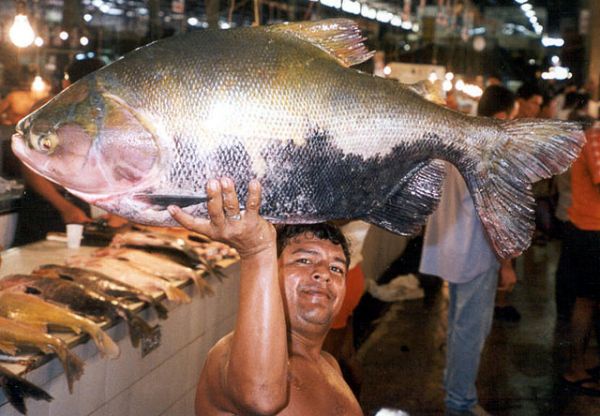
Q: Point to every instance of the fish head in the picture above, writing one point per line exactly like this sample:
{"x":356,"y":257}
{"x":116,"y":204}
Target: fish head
{"x":89,"y":141}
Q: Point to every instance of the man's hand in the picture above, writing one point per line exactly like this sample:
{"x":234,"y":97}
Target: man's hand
{"x":245,"y":231}
{"x":508,"y":277}
{"x":71,"y":214}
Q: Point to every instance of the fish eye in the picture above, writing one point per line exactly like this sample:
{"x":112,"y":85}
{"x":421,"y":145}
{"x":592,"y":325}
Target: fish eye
{"x":46,"y":143}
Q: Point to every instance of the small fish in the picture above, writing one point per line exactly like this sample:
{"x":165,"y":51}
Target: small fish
{"x":157,"y":265}
{"x":17,"y":335}
{"x":122,"y":271}
{"x":102,"y":283}
{"x":164,"y":242}
{"x":34,"y":311}
{"x":88,"y":302}
{"x":17,"y":389}
{"x":282,"y":105}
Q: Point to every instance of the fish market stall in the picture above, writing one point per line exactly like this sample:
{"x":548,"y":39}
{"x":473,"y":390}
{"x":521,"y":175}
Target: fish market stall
{"x":157,"y":378}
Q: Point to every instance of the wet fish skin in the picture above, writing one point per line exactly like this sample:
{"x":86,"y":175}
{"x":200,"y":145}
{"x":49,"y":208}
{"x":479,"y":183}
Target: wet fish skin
{"x":167,"y":269}
{"x":32,"y":310}
{"x":17,"y":389}
{"x":15,"y":335}
{"x":88,"y":302}
{"x":104,"y":284}
{"x":274,"y":103}
{"x":122,"y":271}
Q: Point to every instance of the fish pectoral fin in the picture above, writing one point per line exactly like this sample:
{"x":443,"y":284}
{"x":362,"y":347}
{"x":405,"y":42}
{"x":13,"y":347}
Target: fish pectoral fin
{"x":340,"y":38}
{"x":164,"y":200}
{"x":407,"y":207}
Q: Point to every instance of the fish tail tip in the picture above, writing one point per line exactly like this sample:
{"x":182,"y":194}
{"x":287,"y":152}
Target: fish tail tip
{"x":177,"y":295}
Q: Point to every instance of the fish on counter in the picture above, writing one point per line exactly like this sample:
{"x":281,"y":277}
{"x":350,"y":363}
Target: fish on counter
{"x":34,"y":311}
{"x":124,"y":272}
{"x":104,"y":284}
{"x":86,"y":301}
{"x":19,"y":335}
{"x":282,"y":105}
{"x":193,"y":253}
{"x":17,"y":389}
{"x":157,"y":265}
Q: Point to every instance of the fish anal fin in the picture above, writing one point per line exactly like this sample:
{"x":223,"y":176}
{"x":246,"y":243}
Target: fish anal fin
{"x":340,"y":38}
{"x":407,"y":207}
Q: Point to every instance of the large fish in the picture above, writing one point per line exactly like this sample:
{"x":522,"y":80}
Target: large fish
{"x":16,"y":389}
{"x":280,"y":104}
{"x":34,"y":311}
{"x":18,"y":335}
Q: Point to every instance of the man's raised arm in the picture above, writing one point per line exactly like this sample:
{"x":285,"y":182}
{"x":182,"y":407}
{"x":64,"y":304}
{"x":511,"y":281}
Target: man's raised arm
{"x":253,"y":372}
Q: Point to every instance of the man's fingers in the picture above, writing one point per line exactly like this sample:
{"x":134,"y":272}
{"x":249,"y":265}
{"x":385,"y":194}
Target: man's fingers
{"x":215,"y":202}
{"x":231,"y":206}
{"x":253,"y":200}
{"x":191,"y":223}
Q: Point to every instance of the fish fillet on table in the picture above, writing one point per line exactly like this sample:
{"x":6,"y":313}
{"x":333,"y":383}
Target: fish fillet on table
{"x":282,"y":105}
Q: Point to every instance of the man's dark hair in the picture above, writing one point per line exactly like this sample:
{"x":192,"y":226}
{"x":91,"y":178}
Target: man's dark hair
{"x":495,"y":99}
{"x":80,"y":68}
{"x":322,"y":231}
{"x":528,"y":90}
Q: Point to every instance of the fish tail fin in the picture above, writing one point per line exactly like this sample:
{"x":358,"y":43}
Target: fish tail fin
{"x":176,"y":295}
{"x":72,"y":365}
{"x":16,"y":389}
{"x":501,"y":184}
{"x":161,"y":310}
{"x":203,"y":286}
{"x":138,"y":328}
{"x":105,"y":344}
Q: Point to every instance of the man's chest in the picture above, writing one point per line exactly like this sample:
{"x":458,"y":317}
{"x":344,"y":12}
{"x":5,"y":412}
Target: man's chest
{"x":319,"y":391}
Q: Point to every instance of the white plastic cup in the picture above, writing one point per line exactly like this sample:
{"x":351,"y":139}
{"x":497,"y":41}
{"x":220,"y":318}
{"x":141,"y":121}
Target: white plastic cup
{"x":74,"y":235}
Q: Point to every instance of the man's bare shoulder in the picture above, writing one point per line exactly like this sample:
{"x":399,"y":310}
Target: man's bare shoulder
{"x":210,"y":396}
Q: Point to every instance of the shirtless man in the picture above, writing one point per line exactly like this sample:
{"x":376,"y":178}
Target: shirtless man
{"x":291,"y":287}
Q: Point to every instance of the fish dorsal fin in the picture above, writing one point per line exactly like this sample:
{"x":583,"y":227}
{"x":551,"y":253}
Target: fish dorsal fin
{"x":431,"y":91}
{"x":340,"y":38}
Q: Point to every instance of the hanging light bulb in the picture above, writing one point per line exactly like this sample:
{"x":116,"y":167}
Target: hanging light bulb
{"x":21,"y":32}
{"x":38,"y":85}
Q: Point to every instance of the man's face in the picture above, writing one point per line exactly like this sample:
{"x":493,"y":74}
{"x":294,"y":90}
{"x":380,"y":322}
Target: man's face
{"x":312,"y":275}
{"x":530,"y":108}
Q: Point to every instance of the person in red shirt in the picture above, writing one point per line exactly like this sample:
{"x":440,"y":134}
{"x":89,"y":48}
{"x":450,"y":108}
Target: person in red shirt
{"x":582,"y":246}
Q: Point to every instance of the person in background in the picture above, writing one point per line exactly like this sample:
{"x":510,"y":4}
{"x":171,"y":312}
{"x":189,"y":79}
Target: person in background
{"x":45,"y":206}
{"x":530,"y":98}
{"x":19,"y":103}
{"x":564,"y":289}
{"x":581,"y":250}
{"x":456,"y":248}
{"x":292,"y":284}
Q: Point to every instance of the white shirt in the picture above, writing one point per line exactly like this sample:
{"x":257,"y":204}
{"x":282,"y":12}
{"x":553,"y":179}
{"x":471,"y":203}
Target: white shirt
{"x":455,"y":245}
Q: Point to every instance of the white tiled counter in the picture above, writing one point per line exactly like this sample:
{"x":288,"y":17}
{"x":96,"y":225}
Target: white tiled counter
{"x":161,"y":383}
